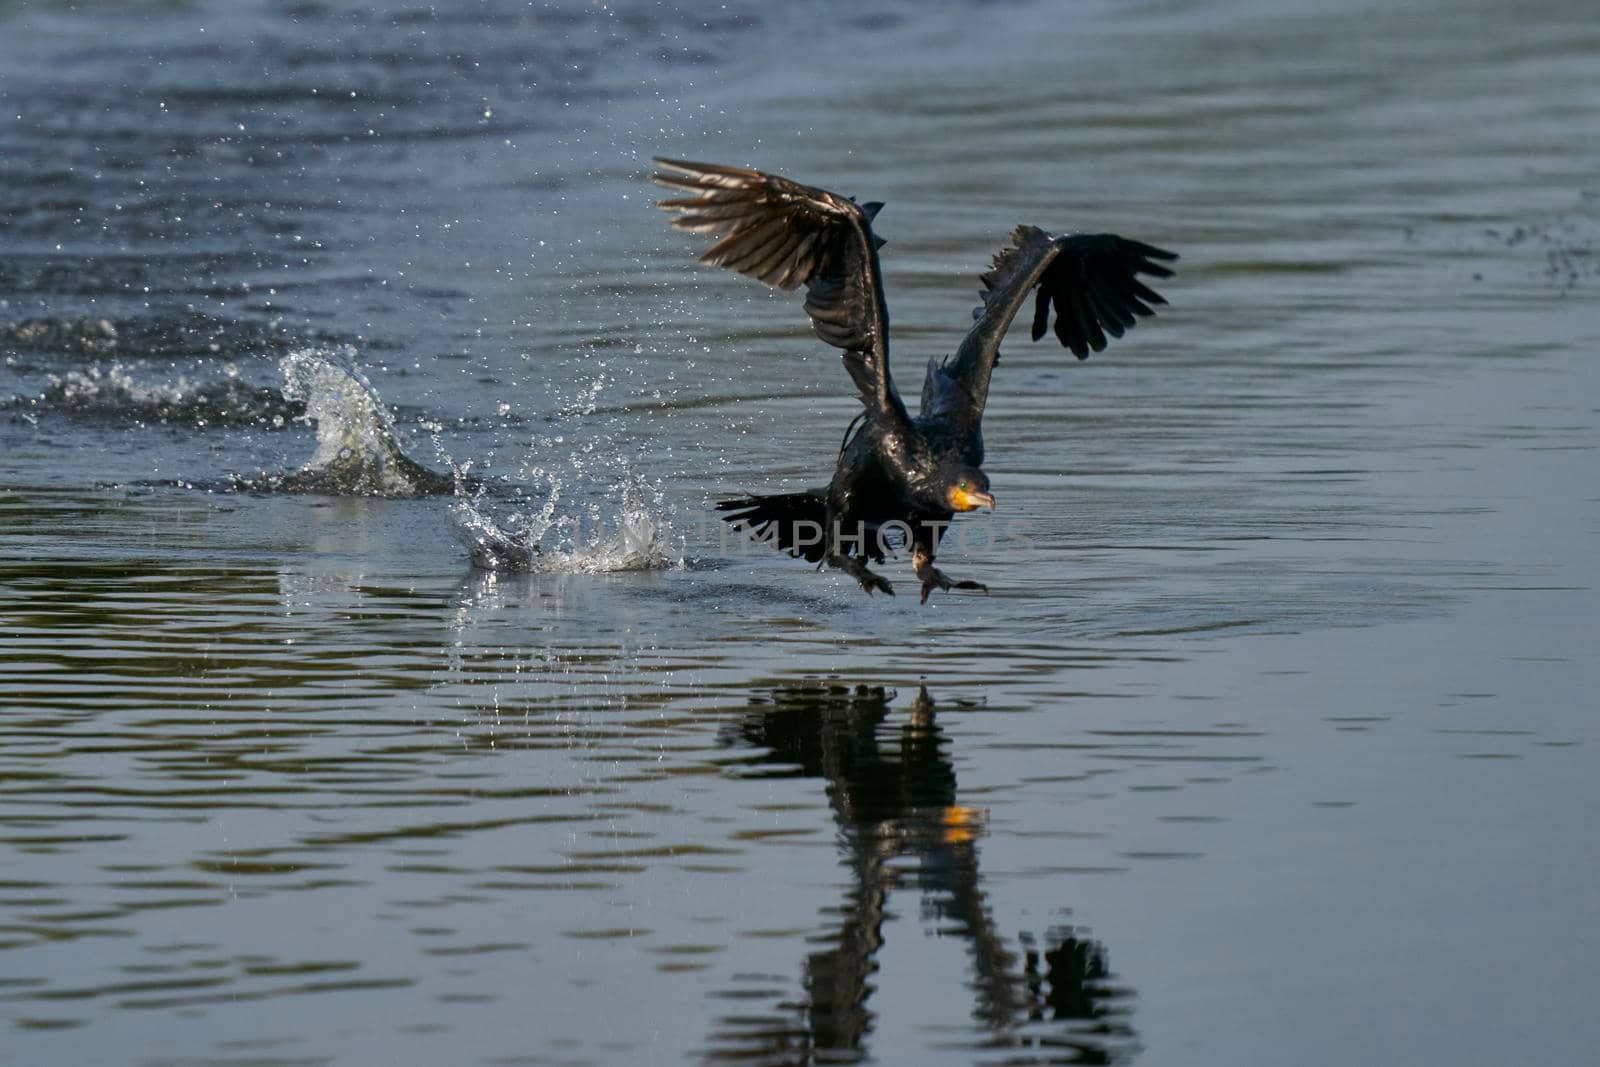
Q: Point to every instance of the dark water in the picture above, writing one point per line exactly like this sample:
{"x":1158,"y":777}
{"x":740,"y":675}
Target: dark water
{"x":1271,"y":744}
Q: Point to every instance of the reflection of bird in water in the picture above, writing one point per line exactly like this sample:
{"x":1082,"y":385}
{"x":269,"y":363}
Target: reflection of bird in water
{"x":897,"y":472}
{"x":893,"y":794}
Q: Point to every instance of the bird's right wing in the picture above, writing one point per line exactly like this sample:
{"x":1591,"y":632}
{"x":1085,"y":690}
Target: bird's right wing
{"x":787,"y":235}
{"x":1090,"y":278}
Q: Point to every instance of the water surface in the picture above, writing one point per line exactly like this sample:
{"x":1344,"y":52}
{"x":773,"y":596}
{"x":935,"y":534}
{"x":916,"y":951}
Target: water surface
{"x":1270,"y":742}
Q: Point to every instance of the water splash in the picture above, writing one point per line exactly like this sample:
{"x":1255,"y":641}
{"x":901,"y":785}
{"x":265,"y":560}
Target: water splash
{"x":110,"y":394}
{"x":76,"y":335}
{"x":358,"y":448}
{"x":167,"y":333}
{"x":638,"y":538}
{"x":577,"y":504}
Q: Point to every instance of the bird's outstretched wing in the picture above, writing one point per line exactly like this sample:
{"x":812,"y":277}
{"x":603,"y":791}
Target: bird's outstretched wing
{"x":1092,"y":281}
{"x":787,"y":235}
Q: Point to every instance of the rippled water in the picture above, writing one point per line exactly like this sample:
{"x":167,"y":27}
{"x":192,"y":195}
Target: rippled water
{"x":1271,"y":742}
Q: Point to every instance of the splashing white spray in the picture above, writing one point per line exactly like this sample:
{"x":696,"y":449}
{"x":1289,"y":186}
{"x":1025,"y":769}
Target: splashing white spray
{"x":544,"y":541}
{"x":358,"y":448}
{"x":568,"y":528}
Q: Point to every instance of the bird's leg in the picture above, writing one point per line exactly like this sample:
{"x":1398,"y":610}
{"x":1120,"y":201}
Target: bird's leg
{"x":839,"y":558}
{"x":934,"y":578}
{"x":857,"y":569}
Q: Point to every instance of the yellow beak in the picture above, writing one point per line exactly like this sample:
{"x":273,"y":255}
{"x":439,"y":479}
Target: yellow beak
{"x":964,"y":500}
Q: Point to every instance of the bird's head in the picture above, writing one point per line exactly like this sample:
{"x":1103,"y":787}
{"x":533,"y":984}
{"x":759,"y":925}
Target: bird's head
{"x":967,"y":489}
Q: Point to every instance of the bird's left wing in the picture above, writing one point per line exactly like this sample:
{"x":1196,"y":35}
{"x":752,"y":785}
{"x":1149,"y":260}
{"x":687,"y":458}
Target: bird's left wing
{"x":787,"y":235}
{"x":1092,"y":281}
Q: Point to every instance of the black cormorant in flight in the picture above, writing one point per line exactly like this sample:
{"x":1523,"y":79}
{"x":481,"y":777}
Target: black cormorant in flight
{"x":896,"y":470}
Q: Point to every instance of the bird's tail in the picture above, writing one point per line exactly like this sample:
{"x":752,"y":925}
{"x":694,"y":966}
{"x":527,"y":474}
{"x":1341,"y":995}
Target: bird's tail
{"x":796,"y":523}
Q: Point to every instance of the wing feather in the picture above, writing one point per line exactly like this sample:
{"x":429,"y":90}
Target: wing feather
{"x":787,"y":235}
{"x":1089,"y":280}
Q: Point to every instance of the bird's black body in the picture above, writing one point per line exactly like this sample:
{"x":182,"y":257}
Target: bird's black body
{"x":899,"y":479}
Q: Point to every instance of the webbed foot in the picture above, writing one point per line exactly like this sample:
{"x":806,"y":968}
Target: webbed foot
{"x":870,"y":582}
{"x":934,"y":578}
{"x":939,"y":581}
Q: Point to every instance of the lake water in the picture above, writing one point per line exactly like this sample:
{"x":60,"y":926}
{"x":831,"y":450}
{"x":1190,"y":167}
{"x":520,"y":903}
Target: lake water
{"x":1272,"y":742}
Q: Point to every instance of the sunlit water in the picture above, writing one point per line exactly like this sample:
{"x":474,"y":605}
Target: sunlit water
{"x":378,"y":688}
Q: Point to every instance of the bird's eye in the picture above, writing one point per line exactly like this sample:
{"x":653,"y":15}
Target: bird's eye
{"x":962,"y":486}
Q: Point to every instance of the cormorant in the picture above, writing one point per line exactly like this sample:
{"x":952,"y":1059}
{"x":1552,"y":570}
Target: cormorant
{"x":897,"y":471}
